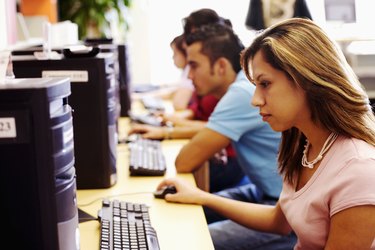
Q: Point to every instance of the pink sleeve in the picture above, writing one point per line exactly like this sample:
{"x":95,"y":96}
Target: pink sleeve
{"x":354,"y":185}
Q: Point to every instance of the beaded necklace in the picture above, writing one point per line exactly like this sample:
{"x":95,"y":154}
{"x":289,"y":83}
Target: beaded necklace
{"x":327,"y":144}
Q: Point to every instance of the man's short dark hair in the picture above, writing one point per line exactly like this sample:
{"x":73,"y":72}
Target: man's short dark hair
{"x":218,"y":40}
{"x":202,"y":17}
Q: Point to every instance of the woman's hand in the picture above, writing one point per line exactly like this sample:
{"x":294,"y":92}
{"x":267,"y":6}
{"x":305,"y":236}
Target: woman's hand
{"x":186,"y":192}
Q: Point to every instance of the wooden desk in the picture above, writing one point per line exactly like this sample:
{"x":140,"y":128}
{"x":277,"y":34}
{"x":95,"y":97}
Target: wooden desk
{"x":178,"y":226}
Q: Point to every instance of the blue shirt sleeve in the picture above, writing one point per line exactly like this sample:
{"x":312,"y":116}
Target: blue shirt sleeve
{"x":234,"y":114}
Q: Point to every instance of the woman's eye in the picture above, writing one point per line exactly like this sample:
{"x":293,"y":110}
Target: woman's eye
{"x":264,"y":84}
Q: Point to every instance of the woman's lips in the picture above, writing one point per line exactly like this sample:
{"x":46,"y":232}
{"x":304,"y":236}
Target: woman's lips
{"x":265,"y":117}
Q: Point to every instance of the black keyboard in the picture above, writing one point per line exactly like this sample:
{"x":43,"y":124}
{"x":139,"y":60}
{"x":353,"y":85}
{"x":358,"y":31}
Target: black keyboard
{"x":146,"y":158}
{"x":149,"y":119}
{"x":125,"y":225}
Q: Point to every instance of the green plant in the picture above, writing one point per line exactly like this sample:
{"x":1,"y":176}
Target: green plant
{"x":93,"y":16}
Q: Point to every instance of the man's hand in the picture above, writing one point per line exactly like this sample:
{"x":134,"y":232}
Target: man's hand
{"x":147,"y":131}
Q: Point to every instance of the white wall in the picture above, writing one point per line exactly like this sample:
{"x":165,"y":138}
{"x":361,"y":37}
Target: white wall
{"x":4,"y":36}
{"x":8,"y":35}
{"x":155,"y":23}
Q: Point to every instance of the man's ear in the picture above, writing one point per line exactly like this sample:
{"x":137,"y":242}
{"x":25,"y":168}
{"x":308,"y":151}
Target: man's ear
{"x":223,"y":64}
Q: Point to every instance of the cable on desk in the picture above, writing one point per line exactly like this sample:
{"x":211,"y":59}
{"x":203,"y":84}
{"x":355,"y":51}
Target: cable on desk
{"x":112,"y":196}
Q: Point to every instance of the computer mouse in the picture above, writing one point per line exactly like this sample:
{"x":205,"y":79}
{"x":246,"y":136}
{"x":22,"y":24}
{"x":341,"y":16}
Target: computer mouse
{"x":165,"y":190}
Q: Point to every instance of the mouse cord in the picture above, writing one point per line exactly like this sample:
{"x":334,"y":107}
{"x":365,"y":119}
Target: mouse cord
{"x":111,"y":196}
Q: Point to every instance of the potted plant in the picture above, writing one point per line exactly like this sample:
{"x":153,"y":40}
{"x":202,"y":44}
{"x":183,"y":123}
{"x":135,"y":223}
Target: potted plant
{"x":96,"y":18}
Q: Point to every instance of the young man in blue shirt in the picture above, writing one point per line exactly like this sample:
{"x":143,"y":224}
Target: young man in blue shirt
{"x":225,"y":170}
{"x":213,"y":53}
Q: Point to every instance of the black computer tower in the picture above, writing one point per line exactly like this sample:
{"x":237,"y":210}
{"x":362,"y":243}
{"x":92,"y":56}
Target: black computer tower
{"x":124,"y":79}
{"x":94,"y":111}
{"x":106,"y":45}
{"x":122,"y":70}
{"x":38,"y":185}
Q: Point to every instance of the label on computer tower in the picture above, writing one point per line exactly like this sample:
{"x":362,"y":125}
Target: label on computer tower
{"x":74,"y":75}
{"x":8,"y":127}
